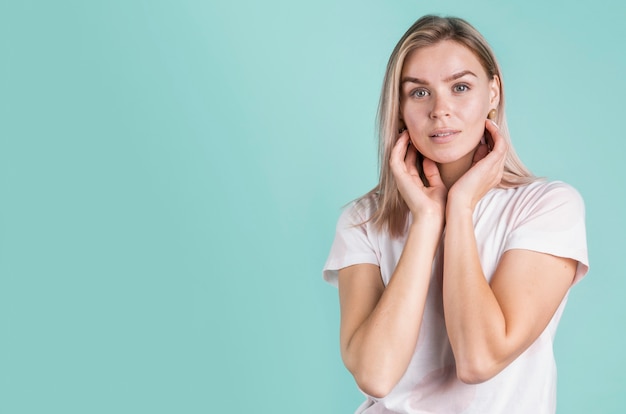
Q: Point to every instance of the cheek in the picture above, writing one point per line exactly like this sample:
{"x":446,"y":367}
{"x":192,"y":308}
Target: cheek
{"x":422,"y":146}
{"x":476,"y":118}
{"x":477,"y":132}
{"x":477,"y":110}
{"x":413,"y":112}
{"x":416,"y":124}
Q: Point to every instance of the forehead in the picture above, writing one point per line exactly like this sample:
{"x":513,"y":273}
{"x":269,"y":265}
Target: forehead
{"x":441,"y":60}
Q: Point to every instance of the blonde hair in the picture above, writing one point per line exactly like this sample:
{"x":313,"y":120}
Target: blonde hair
{"x":390,"y":211}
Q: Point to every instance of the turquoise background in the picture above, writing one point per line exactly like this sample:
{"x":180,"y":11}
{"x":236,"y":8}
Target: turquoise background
{"x":171,"y":173}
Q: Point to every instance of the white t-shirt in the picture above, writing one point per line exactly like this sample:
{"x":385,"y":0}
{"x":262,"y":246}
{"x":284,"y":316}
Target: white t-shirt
{"x":546,"y":217}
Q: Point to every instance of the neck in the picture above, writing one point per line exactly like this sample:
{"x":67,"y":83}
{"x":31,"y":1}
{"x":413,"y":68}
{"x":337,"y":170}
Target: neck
{"x":451,"y":172}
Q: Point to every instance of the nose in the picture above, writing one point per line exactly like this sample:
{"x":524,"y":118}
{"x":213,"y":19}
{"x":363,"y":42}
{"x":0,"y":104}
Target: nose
{"x":440,"y":109}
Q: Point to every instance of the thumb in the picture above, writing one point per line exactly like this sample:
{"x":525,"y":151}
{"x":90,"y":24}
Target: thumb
{"x":432,"y":173}
{"x":480,"y":153}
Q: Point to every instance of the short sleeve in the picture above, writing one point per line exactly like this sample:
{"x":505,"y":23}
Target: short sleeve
{"x":352,"y":244}
{"x":553,"y":222}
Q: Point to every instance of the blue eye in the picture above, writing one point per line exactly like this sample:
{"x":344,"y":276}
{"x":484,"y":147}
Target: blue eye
{"x":420,"y":93}
{"x":461,"y":88}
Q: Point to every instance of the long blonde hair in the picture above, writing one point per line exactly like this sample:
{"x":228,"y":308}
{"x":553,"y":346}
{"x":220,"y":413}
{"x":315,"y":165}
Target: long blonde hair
{"x":391,"y":211}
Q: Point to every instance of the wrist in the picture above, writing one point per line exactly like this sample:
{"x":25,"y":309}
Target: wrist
{"x":459,"y":208}
{"x":428,"y":222}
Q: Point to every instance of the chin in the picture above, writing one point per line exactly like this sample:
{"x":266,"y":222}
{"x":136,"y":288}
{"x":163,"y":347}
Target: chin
{"x":448,"y":158}
{"x":452,"y":157}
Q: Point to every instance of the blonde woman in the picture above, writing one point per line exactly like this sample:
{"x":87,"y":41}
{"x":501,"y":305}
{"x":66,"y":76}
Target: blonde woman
{"x":454,"y":270}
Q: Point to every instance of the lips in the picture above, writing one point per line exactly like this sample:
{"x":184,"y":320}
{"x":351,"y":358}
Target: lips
{"x":442,"y":133}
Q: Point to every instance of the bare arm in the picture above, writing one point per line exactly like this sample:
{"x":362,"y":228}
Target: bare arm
{"x":380,"y":326}
{"x":489,"y":325}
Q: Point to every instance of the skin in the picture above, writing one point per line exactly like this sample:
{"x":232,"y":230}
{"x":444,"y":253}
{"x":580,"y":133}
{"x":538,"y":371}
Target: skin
{"x":445,"y":98}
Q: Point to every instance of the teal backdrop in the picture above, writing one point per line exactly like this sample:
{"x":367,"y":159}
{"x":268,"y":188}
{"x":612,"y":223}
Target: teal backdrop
{"x":171,"y":173}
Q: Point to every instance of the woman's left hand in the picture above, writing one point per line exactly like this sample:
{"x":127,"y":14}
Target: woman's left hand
{"x":484,"y":174}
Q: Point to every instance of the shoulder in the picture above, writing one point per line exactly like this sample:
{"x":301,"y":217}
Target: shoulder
{"x":548,"y":217}
{"x":358,"y":212}
{"x":558,"y":189}
{"x":552,"y":206}
{"x":356,"y":241}
{"x":554,"y":195}
{"x":541,"y":195}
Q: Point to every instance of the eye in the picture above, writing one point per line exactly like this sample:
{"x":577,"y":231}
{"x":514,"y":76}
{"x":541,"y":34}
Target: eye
{"x":461,"y":87}
{"x":420,"y":93}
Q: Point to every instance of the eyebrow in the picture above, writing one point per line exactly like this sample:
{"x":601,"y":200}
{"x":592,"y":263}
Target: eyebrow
{"x":450,"y":78}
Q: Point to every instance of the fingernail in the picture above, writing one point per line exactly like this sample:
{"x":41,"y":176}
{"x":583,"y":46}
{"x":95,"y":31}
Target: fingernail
{"x":494,"y":124}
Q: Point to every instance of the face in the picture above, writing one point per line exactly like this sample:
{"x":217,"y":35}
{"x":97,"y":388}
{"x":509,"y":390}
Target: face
{"x":445,"y":96}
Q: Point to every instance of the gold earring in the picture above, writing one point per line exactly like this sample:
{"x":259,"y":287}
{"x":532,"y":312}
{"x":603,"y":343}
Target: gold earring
{"x":492,"y":114}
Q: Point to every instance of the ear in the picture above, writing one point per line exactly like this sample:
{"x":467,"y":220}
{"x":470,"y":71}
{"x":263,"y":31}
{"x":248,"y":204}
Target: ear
{"x":401,"y":124}
{"x":494,"y":91}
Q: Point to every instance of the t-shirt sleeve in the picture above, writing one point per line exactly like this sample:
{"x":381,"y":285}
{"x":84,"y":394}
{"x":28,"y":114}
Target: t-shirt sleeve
{"x":553,"y":222}
{"x":352,"y":244}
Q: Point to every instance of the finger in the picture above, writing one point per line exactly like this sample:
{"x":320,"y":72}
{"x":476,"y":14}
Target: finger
{"x":399,"y":150}
{"x":480,"y":153}
{"x":431,"y":172}
{"x":411,"y":160}
{"x":499,"y":144}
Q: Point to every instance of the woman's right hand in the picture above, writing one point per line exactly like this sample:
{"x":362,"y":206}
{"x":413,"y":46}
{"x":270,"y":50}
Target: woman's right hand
{"x":423,"y":201}
{"x":380,"y":324}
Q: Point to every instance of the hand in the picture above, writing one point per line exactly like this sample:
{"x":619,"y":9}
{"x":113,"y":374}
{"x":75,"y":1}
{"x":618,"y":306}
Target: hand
{"x":484,"y":174}
{"x":423,"y":201}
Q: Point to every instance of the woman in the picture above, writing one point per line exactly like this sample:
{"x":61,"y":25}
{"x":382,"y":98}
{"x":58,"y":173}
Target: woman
{"x":454,"y":270}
